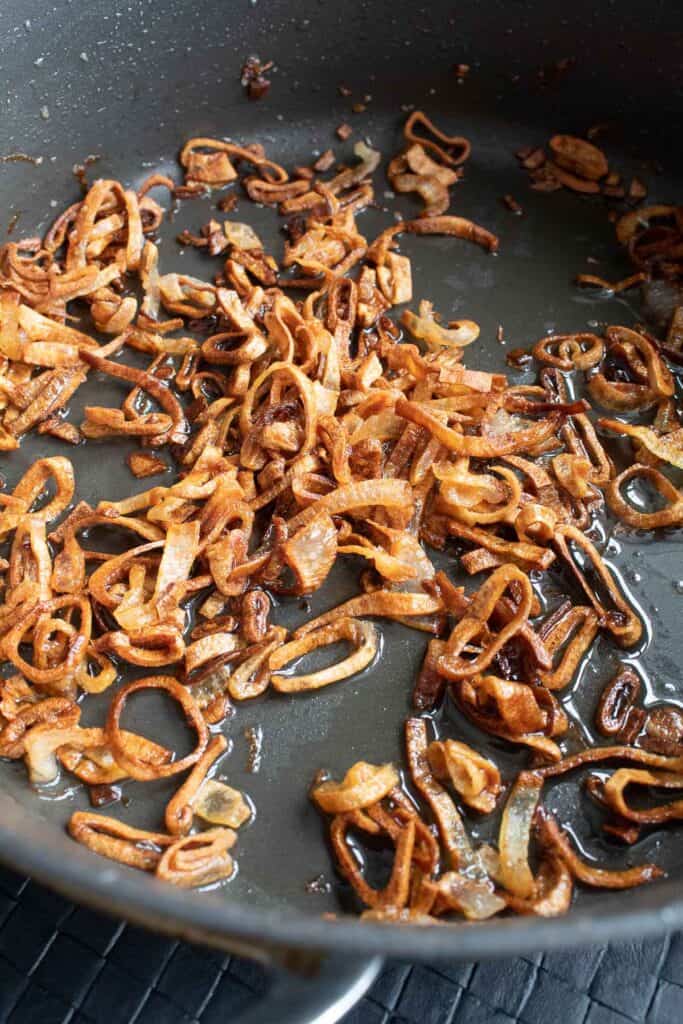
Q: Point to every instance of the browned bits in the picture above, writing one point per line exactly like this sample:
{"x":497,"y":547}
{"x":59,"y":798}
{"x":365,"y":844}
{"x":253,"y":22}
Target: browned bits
{"x":512,"y":204}
{"x":532,"y":159}
{"x":144,"y":464}
{"x":615,"y":712}
{"x":254,"y":738}
{"x":102,"y":795}
{"x":637,"y":190}
{"x":253,"y":77}
{"x":576,"y":182}
{"x":79,"y":171}
{"x":324,"y":161}
{"x":255,"y":613}
{"x":518,"y":358}
{"x":343,"y":131}
{"x":227,"y":204}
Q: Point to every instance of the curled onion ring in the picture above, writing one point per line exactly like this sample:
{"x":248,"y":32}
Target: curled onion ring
{"x":670,"y":515}
{"x":362,"y":635}
{"x":137,"y":767}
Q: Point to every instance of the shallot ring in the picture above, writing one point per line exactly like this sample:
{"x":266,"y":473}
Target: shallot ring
{"x":136,"y":767}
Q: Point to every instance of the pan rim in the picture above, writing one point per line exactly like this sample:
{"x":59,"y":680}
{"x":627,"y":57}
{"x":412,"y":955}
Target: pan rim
{"x":269,"y":934}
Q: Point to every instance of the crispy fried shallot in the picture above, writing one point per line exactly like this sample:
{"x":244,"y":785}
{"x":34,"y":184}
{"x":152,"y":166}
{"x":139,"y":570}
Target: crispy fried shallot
{"x":295,"y":419}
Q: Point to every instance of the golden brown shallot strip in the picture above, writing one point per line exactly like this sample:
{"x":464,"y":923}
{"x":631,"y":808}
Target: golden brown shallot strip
{"x":220,"y":804}
{"x":87,"y":756}
{"x":474,"y":623}
{"x":390,"y":604}
{"x":215,"y":168}
{"x":179,"y":812}
{"x":552,"y":893}
{"x":311,"y":552}
{"x":617,"y":704}
{"x":667,"y":447}
{"x":451,"y":828}
{"x":628,"y":225}
{"x":616,"y":287}
{"x":142,"y":464}
{"x":621,"y":620}
{"x":515,"y":711}
{"x":362,"y":635}
{"x":77,"y":640}
{"x":197,"y":860}
{"x":579,"y":436}
{"x":591,"y":874}
{"x":596,"y":755}
{"x":117,"y":841}
{"x":425,"y":328}
{"x":621,"y":396}
{"x":614,"y":789}
{"x":395,"y":893}
{"x":572,"y":634}
{"x":670,"y":515}
{"x":252,"y":676}
{"x":473,"y":776}
{"x":443,"y":153}
{"x":580,"y":157}
{"x":658,"y":377}
{"x":33,"y":485}
{"x":573,"y":351}
{"x":152,"y":385}
{"x":137,"y":767}
{"x":478,"y":447}
{"x":364,"y":784}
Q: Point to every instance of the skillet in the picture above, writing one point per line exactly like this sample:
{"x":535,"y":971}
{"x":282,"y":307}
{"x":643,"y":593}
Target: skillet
{"x":129,"y":83}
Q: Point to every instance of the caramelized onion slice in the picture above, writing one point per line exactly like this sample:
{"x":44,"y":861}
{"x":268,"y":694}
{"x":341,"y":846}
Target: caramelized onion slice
{"x":390,"y":604}
{"x":451,"y":827}
{"x":667,"y":447}
{"x":515,"y":834}
{"x":474,"y":623}
{"x":198,"y":860}
{"x":362,"y":635}
{"x":180,"y":809}
{"x":472,"y":775}
{"x":425,"y":328}
{"x":670,"y":515}
{"x":364,"y":784}
{"x":614,"y":795}
{"x":621,"y":620}
{"x":591,"y":874}
{"x":137,"y":767}
{"x":117,"y":841}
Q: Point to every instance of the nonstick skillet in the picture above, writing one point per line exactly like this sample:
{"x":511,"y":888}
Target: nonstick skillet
{"x":128,"y":83}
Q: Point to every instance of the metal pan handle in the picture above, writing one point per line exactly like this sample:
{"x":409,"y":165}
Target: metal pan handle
{"x":322,"y":996}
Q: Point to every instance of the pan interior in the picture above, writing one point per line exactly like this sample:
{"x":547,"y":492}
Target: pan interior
{"x":527,"y":289}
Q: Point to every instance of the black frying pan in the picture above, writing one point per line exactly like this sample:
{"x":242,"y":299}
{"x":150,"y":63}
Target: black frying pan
{"x":129,"y":83}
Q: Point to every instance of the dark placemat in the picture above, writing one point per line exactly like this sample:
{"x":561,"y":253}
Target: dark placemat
{"x":63,"y":964}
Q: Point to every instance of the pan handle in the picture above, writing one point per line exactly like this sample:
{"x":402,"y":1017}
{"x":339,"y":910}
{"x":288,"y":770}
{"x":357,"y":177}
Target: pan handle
{"x":320,"y":996}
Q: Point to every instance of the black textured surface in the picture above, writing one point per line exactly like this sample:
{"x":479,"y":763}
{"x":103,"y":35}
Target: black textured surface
{"x":63,"y":964}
